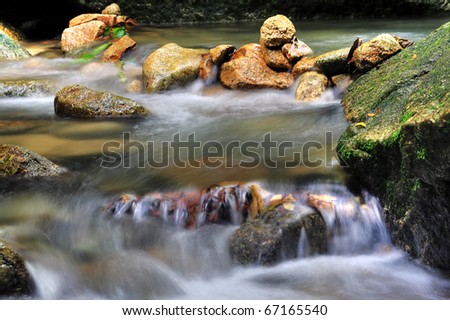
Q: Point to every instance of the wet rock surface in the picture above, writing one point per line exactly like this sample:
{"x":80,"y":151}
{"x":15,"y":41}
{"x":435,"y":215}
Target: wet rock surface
{"x":311,"y":86}
{"x":19,"y":161}
{"x":14,"y":278}
{"x":25,"y":88}
{"x":276,"y":31}
{"x":401,"y":153}
{"x":81,"y":102}
{"x":10,"y":49}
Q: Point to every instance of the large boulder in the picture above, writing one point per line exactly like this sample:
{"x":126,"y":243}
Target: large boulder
{"x":10,"y":49}
{"x":25,"y":88}
{"x":276,"y":31}
{"x":398,"y":146}
{"x":81,"y":102}
{"x":275,"y":236}
{"x":171,"y":65}
{"x":375,"y":51}
{"x":14,"y":278}
{"x":82,"y":35}
{"x":19,"y":161}
{"x":247,"y":70}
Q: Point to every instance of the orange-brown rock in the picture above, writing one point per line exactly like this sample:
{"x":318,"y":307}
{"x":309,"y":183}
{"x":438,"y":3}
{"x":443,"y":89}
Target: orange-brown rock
{"x":296,"y":50}
{"x":311,"y":86}
{"x":276,"y":31}
{"x":222,"y":53}
{"x":302,"y":66}
{"x":206,"y":67}
{"x":108,"y":19}
{"x":375,"y":51}
{"x":127,"y":21}
{"x":274,"y":58}
{"x":113,"y":8}
{"x":116,"y":50}
{"x":247,"y":70}
{"x":81,"y":35}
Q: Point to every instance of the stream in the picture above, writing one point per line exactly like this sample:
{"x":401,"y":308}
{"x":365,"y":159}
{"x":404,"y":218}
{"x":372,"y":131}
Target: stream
{"x":73,"y":251}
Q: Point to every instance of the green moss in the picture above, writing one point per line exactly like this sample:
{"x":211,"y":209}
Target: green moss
{"x":421,"y":153}
{"x":407,"y":115}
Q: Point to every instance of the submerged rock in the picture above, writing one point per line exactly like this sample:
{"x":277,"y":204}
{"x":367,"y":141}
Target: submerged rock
{"x":14,"y":278}
{"x":247,"y":70}
{"x":25,"y":88}
{"x":80,"y":102}
{"x":375,"y":51}
{"x":402,"y":152}
{"x":275,"y":236}
{"x":276,"y":31}
{"x":81,"y":35}
{"x":311,"y":86}
{"x":171,"y":65}
{"x":10,"y":49}
{"x":19,"y":161}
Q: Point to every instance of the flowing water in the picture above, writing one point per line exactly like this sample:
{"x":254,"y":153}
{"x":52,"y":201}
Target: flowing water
{"x":73,"y":250}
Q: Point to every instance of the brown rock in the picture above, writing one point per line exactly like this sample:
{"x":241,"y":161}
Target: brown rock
{"x":276,"y":31}
{"x":108,"y":19}
{"x":169,"y":65}
{"x":222,"y":53}
{"x":375,"y":51}
{"x":81,"y":35}
{"x":296,"y":50}
{"x":247,"y":70}
{"x":333,"y":63}
{"x":341,"y":81}
{"x":113,"y":8}
{"x":116,"y":50}
{"x":206,"y":67}
{"x":302,"y":66}
{"x":14,"y":277}
{"x":311,"y":86}
{"x":274,"y":58}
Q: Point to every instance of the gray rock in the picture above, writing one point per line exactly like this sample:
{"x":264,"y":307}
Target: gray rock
{"x":10,"y":49}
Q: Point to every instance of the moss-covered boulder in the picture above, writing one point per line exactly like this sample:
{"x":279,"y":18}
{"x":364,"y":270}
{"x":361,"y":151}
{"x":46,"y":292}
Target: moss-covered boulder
{"x":81,"y":102}
{"x":10,"y":49}
{"x":14,"y":278}
{"x":171,"y":65}
{"x":25,"y":88}
{"x":275,"y":235}
{"x":398,"y":144}
{"x":19,"y":161}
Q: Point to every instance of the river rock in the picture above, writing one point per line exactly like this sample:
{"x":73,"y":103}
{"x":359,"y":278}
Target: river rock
{"x":81,"y":35}
{"x":14,"y":277}
{"x":341,"y":81}
{"x":333,"y":63}
{"x":11,"y":32}
{"x":304,"y":65}
{"x":375,"y":51}
{"x":25,"y":88}
{"x":206,"y":68}
{"x":311,"y":86}
{"x":108,"y":19}
{"x":274,"y":58}
{"x":222,"y":53}
{"x":117,"y":49}
{"x":296,"y":50}
{"x":402,"y":154}
{"x":247,"y":70}
{"x":19,"y":161}
{"x":275,"y":236}
{"x":81,"y":102}
{"x":276,"y":31}
{"x":10,"y":49}
{"x":113,"y":8}
{"x":171,"y":65}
